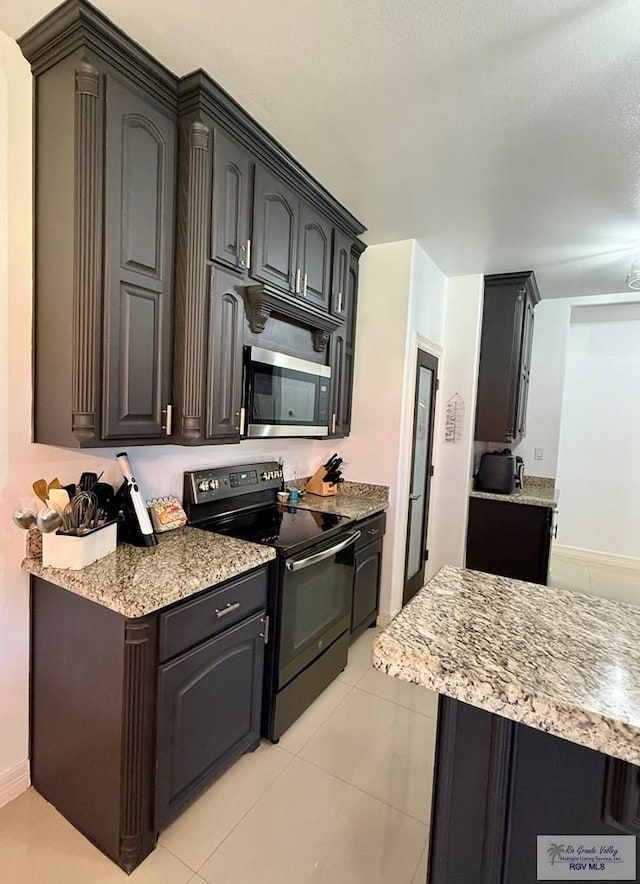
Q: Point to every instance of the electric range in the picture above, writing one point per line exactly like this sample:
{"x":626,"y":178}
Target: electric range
{"x":310,"y":586}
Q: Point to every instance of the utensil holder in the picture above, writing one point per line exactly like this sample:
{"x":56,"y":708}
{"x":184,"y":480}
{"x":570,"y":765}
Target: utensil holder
{"x":315,"y":485}
{"x":74,"y":553}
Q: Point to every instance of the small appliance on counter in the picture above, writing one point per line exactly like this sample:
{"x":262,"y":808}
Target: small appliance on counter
{"x":500,"y":472}
{"x":135,"y":527}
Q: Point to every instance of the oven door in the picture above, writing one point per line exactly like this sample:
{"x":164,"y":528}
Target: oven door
{"x":286,"y":396}
{"x":315,"y":604}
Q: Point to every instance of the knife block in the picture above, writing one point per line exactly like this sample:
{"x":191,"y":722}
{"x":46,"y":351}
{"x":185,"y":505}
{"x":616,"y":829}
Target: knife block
{"x":315,"y":485}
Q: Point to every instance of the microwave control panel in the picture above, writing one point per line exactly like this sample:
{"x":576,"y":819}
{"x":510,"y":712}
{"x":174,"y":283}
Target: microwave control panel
{"x":218,"y":483}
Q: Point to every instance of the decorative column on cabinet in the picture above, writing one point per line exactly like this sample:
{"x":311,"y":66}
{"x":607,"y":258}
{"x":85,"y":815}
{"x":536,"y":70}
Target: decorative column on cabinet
{"x":192,"y":276}
{"x":87,"y":278}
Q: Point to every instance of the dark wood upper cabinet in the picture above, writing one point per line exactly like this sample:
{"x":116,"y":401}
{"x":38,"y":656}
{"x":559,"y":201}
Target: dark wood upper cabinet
{"x":224,"y":362}
{"x":231,"y":204}
{"x":276,"y":216}
{"x":145,"y":183}
{"x":340,"y":273}
{"x":342,"y":355}
{"x":105,"y":160}
{"x":314,"y":256}
{"x":139,"y":206}
{"x":505,"y":357}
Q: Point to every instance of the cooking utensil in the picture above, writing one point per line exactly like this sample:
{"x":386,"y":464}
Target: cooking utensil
{"x":24,"y":519}
{"x":80,"y":513}
{"x":89,"y":480}
{"x":48,"y":520}
{"x":40,"y":489}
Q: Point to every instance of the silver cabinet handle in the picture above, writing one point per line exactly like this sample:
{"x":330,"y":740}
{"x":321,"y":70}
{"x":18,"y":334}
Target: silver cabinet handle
{"x":245,"y":252}
{"x":304,"y":286}
{"x":339,"y":302}
{"x":372,"y":531}
{"x":299,"y":564}
{"x":228,"y":609}
{"x":265,"y":633}
{"x":415,"y":496}
{"x":298,"y":280}
{"x":333,"y":422}
{"x":240,"y":415}
{"x":168,"y":420}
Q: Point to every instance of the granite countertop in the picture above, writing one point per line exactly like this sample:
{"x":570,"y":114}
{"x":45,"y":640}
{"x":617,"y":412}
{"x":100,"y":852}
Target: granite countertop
{"x":357,"y":500}
{"x":554,"y":659}
{"x":536,"y":492}
{"x":134,"y":581}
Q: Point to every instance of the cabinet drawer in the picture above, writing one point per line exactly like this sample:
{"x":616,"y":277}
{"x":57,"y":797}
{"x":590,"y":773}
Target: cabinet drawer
{"x":371,"y":529}
{"x":194,"y":621}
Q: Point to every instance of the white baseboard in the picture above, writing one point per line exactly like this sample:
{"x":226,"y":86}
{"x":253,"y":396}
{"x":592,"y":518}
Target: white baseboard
{"x":385,"y":618}
{"x":14,"y":782}
{"x":592,"y":557}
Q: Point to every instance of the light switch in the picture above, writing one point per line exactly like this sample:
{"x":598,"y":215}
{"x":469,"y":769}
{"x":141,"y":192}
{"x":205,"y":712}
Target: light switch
{"x":538,"y":453}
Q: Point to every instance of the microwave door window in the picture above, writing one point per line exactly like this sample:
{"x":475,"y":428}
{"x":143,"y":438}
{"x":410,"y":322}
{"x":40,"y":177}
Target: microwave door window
{"x":298,"y":401}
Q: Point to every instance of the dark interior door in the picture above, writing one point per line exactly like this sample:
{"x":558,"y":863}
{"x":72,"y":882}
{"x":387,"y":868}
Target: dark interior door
{"x":421,"y":469}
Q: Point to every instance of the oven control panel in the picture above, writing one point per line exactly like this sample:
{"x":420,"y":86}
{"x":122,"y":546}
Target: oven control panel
{"x":217,"y":483}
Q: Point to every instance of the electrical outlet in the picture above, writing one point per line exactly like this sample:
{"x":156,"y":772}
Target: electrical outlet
{"x":538,"y":453}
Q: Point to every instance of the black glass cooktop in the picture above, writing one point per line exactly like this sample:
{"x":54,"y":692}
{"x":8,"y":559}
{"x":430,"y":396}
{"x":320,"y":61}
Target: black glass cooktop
{"x":286,"y":528}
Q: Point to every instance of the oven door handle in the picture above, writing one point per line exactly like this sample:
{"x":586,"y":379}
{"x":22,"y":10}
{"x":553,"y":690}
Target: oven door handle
{"x":299,"y":564}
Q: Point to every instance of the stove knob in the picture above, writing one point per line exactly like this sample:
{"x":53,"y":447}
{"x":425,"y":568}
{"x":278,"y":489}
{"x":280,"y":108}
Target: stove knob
{"x":265,"y":476}
{"x":203,"y":485}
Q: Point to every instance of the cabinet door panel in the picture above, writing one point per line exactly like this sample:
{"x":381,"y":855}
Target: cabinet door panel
{"x":275,"y":231}
{"x":338,"y":346}
{"x":366,"y":584}
{"x":340,"y":274}
{"x":314,"y":257}
{"x":224,"y":365}
{"x":232,"y":172}
{"x":139,"y":196}
{"x":209,"y":705}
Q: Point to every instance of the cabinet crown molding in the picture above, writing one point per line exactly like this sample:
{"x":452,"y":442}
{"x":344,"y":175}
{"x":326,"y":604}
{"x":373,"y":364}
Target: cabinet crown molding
{"x":77,"y":24}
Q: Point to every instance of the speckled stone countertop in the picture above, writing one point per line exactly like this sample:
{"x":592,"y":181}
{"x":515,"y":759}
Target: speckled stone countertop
{"x":357,"y":500}
{"x":135,"y":581}
{"x":554,"y":659}
{"x":536,"y":492}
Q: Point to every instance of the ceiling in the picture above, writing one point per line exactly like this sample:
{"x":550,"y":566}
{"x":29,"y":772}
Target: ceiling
{"x":502,"y":135}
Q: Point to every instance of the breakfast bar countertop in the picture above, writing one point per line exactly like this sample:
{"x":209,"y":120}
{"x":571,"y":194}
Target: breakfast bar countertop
{"x":554,"y":659}
{"x":134,"y":581}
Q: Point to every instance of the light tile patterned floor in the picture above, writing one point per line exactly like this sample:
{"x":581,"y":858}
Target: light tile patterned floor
{"x":342,"y":799}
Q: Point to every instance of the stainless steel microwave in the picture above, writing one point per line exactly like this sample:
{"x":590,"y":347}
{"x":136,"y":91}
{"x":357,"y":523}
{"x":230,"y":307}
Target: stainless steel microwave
{"x":285,"y":396}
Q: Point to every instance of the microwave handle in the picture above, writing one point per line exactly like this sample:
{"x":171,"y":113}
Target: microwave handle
{"x":299,"y":564}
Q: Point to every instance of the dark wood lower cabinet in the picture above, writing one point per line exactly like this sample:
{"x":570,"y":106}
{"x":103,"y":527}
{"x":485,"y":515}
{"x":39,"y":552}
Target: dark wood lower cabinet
{"x":367,"y":571}
{"x":509,"y":539}
{"x":121,"y":742}
{"x":499,"y":784}
{"x":209,"y":703}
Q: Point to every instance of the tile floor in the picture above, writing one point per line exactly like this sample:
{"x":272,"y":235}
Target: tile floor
{"x":342,"y":799}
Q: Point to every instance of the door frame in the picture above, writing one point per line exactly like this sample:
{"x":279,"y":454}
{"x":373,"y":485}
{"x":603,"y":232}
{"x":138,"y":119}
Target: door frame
{"x":430,"y":348}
